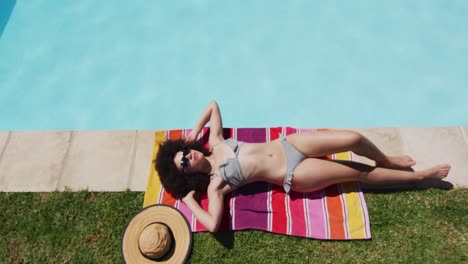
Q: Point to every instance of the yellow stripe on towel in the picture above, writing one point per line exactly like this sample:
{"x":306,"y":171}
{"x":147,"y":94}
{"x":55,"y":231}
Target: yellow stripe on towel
{"x":154,"y":185}
{"x":343,"y":156}
{"x":353,"y":204}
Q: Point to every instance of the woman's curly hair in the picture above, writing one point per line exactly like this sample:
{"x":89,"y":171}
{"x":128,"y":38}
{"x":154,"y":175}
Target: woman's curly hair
{"x":174,"y":181}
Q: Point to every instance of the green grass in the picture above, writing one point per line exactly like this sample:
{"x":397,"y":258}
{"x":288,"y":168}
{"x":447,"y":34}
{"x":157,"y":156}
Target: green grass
{"x":85,"y":227}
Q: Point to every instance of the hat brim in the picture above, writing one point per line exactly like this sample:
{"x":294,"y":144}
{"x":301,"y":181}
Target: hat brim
{"x":158,"y":213}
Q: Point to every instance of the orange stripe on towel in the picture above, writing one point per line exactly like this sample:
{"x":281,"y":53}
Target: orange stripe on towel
{"x":175,"y":134}
{"x":335,"y":212}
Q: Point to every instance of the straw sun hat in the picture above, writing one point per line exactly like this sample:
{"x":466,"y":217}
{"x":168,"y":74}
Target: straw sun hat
{"x":157,"y":234}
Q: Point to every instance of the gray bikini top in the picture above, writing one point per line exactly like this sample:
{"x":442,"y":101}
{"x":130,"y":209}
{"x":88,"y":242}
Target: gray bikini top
{"x":230,"y":170}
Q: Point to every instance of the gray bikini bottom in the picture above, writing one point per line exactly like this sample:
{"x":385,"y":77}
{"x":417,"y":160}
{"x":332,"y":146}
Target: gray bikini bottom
{"x":293,"y":157}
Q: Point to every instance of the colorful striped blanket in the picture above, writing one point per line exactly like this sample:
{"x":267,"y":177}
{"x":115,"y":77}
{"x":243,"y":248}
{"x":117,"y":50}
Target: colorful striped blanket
{"x":338,"y":212}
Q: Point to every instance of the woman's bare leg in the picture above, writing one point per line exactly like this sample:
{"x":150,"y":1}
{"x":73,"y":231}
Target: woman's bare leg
{"x":314,"y":174}
{"x":322,"y":143}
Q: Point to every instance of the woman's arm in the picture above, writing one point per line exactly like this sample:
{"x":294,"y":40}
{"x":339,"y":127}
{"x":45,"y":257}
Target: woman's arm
{"x":212,"y":115}
{"x":210,"y":219}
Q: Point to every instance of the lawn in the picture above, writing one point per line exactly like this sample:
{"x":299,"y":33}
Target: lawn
{"x":85,"y":227}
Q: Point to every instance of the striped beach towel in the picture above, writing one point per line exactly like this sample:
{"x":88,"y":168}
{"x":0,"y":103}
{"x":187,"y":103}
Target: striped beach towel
{"x":338,"y":212}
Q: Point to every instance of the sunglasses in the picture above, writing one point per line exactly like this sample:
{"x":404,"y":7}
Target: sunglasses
{"x":184,"y":162}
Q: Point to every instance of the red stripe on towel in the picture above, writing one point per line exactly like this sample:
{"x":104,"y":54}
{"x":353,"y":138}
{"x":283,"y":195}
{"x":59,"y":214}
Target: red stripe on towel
{"x":274,"y":133}
{"x":296,"y":205}
{"x":203,"y":200}
{"x":290,"y":130}
{"x":278,"y":205}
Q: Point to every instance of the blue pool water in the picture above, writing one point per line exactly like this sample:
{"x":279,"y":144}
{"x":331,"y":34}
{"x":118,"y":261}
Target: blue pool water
{"x":155,"y":64}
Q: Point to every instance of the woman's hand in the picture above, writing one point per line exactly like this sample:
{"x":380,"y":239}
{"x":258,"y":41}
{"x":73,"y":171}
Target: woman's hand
{"x":211,"y":218}
{"x":213,"y":116}
{"x":189,"y":197}
{"x":191,"y":137}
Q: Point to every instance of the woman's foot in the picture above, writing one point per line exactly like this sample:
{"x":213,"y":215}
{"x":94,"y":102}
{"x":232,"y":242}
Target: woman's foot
{"x":397,"y":162}
{"x":437,"y":172}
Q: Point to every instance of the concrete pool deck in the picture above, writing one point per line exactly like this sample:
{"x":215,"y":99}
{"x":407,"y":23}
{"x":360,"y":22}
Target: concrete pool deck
{"x":119,"y":160}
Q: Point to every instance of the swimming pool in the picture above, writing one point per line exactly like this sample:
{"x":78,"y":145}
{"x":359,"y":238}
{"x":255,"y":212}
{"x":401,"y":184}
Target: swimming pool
{"x":156,"y":64}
